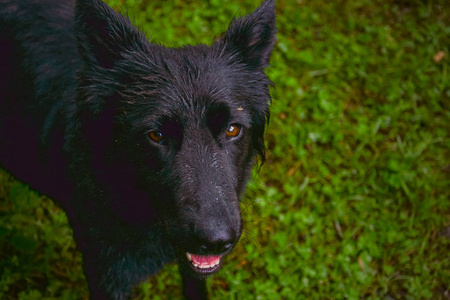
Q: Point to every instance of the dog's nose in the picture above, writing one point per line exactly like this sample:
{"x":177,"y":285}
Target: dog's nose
{"x":218,"y":242}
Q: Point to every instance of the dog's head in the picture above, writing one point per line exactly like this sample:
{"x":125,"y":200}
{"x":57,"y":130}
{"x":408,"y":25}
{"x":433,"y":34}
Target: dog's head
{"x":174,"y":132}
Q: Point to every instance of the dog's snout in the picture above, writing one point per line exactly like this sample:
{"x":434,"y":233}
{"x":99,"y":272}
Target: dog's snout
{"x":218,"y":241}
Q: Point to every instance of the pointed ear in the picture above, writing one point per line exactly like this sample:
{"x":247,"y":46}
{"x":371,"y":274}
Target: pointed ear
{"x":103,"y":34}
{"x":252,"y":38}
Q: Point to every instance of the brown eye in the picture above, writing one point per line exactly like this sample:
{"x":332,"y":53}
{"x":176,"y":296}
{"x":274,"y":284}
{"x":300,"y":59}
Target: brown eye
{"x":233,"y":131}
{"x":156,"y":136}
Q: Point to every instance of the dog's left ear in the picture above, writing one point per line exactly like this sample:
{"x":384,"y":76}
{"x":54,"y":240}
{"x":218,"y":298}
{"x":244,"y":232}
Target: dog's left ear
{"x":251,"y":39}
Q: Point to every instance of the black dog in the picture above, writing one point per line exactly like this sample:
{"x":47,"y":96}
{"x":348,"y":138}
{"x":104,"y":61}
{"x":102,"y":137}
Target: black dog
{"x":147,"y":148}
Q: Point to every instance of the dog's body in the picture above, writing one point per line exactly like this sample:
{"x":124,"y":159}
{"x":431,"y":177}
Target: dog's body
{"x":147,"y":148}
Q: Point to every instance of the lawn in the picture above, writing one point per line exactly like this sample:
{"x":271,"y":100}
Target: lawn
{"x":353,"y":200}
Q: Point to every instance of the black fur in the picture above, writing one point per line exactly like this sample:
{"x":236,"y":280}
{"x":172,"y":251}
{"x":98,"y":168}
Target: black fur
{"x":83,"y":95}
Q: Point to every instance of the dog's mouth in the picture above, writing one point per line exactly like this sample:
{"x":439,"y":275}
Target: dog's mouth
{"x":204,"y":264}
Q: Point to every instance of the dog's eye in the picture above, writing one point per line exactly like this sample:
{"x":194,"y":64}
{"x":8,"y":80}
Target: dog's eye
{"x":156,"y":136}
{"x":233,"y":131}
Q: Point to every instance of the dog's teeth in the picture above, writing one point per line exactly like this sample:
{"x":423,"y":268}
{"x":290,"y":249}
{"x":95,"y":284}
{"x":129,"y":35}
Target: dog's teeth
{"x":207,"y":266}
{"x":196,"y":264}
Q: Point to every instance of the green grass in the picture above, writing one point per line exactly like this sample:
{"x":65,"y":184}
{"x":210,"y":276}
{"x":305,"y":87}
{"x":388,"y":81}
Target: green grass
{"x":354,"y":198}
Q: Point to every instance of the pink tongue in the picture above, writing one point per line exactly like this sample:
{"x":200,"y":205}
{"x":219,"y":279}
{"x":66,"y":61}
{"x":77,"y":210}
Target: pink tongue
{"x":205,"y":260}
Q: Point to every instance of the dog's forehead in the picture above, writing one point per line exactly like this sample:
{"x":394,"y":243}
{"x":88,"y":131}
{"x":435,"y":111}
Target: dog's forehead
{"x":197,"y":103}
{"x":190,"y":102}
{"x":197,"y":78}
{"x":188,"y":85}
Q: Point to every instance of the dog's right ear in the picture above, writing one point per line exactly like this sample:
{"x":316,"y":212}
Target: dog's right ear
{"x":103,"y":34}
